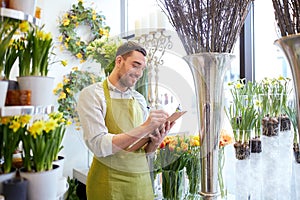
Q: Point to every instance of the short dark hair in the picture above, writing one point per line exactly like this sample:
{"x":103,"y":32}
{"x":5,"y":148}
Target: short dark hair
{"x":130,"y":46}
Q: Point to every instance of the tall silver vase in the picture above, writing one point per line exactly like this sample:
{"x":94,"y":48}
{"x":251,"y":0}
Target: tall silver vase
{"x":290,"y":45}
{"x":208,"y":70}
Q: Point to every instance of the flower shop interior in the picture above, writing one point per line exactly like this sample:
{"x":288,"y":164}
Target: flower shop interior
{"x":233,"y":71}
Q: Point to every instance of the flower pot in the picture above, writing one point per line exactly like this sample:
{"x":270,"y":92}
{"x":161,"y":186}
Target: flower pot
{"x":7,"y":176}
{"x":26,"y":6}
{"x":256,"y":145}
{"x":60,"y":163}
{"x":3,"y":89}
{"x":242,"y":150}
{"x":15,"y":188}
{"x":42,"y":185}
{"x":41,"y":88}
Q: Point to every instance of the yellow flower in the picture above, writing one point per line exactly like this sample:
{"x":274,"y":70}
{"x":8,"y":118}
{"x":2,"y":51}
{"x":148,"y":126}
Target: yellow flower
{"x":66,"y":80}
{"x":66,"y":22}
{"x":75,"y":68}
{"x":239,"y":86}
{"x":74,"y":17}
{"x":5,"y":120}
{"x":50,"y":125}
{"x":80,"y":1}
{"x":62,"y":95}
{"x":24,"y":119}
{"x":66,"y":45}
{"x":94,"y":17}
{"x":68,"y":90}
{"x":60,"y":38}
{"x":79,"y":55}
{"x":64,"y":62}
{"x":60,"y":85}
{"x":24,"y":26}
{"x":78,"y":43}
{"x":15,"y":125}
{"x":68,"y":39}
{"x":37,"y":128}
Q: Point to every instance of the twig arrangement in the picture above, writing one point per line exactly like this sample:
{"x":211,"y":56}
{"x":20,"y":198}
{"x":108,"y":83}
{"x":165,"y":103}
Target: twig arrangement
{"x":206,"y":25}
{"x":287,"y":16}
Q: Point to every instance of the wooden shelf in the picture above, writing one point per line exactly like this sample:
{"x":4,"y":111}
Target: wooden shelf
{"x":16,"y":14}
{"x":25,"y":110}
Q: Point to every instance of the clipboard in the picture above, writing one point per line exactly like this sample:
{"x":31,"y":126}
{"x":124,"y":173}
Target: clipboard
{"x":176,"y":115}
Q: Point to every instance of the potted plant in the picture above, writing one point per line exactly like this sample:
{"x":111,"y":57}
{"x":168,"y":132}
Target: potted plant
{"x":41,"y":145}
{"x":35,"y":49}
{"x":11,"y":129}
{"x":242,"y":115}
{"x":7,"y":30}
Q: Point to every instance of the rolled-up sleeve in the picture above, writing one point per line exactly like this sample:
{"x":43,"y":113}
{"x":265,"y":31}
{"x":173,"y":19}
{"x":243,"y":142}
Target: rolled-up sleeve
{"x":91,"y":109}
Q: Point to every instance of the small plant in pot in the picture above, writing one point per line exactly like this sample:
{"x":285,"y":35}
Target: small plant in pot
{"x":242,"y":115}
{"x":270,"y":97}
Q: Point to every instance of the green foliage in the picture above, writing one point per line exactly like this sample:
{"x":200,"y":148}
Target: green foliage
{"x":76,"y":16}
{"x":72,"y":191}
{"x":68,"y":89}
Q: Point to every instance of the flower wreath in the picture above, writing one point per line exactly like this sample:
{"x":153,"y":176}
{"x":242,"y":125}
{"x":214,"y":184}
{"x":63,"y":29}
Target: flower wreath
{"x":76,"y":16}
{"x":68,"y":89}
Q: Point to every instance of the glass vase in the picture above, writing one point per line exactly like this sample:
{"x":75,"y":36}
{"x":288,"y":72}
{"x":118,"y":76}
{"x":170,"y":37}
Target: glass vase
{"x":173,"y":184}
{"x":208,"y":71}
{"x":193,"y":171}
{"x":290,"y":47}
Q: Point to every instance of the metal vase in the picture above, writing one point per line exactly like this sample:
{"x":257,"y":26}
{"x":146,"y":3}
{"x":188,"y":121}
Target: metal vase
{"x":208,"y":70}
{"x":290,"y":45}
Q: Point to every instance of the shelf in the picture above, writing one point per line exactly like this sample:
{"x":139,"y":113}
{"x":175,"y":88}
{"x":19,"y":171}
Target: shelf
{"x":25,"y":110}
{"x":16,"y":14}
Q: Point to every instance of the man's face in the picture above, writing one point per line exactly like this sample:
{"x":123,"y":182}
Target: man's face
{"x":131,"y":69}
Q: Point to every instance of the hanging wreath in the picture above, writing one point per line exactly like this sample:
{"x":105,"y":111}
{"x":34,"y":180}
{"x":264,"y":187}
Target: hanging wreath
{"x":78,"y":16}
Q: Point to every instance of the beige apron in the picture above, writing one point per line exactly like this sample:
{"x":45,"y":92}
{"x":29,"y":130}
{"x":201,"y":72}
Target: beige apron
{"x":123,"y":175}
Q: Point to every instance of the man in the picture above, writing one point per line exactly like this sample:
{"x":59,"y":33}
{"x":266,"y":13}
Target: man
{"x":119,"y":130}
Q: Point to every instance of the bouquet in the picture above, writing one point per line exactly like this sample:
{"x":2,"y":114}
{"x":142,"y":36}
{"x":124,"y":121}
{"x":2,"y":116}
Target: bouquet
{"x":103,"y":51}
{"x":173,"y":156}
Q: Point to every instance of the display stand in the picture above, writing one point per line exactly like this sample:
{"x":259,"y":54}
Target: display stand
{"x":16,"y":14}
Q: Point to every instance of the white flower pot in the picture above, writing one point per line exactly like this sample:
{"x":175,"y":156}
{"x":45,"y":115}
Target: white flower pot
{"x":3,"y":91}
{"x":26,"y":6}
{"x":42,"y":185}
{"x":41,"y":88}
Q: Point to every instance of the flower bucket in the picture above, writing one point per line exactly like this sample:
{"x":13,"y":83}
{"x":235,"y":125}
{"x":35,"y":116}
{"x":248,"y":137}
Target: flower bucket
{"x":41,"y":88}
{"x":3,"y":89}
{"x":42,"y":185}
{"x":26,"y":6}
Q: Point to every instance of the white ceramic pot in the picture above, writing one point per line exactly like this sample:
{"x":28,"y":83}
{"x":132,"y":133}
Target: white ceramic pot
{"x":26,"y":6}
{"x":3,"y":91}
{"x":42,"y":185}
{"x":41,"y":88}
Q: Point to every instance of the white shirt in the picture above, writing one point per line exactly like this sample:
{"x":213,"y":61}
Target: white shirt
{"x":91,"y":107}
